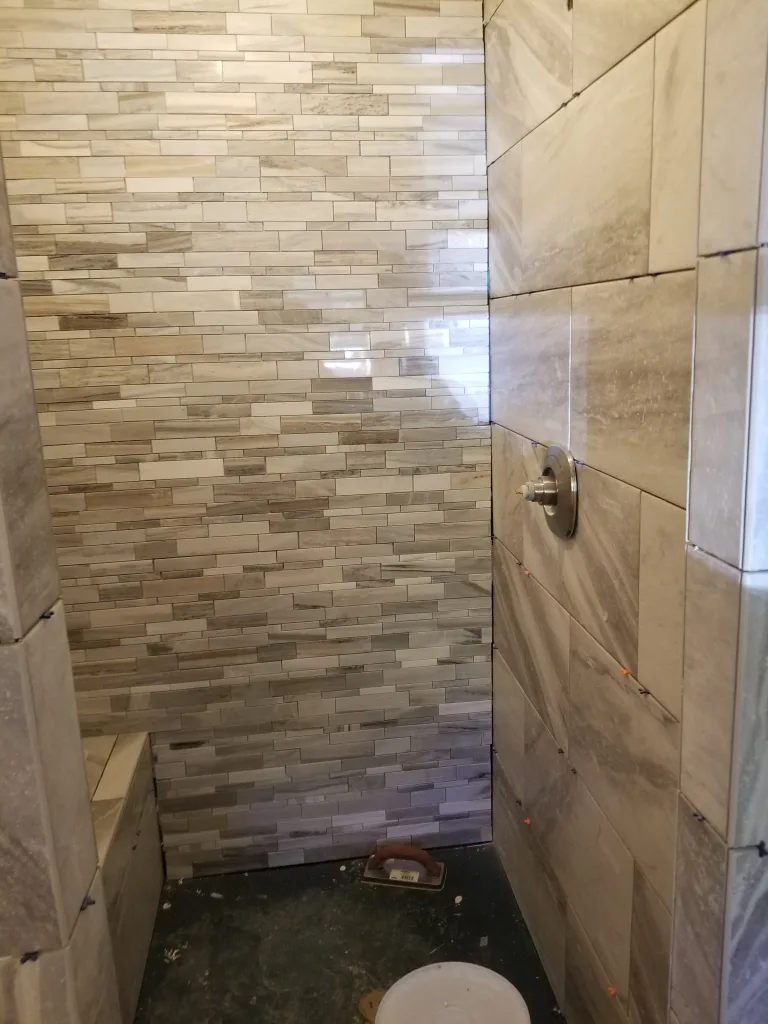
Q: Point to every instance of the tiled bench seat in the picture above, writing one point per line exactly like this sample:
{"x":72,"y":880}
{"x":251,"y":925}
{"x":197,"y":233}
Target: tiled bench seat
{"x":119,"y":772}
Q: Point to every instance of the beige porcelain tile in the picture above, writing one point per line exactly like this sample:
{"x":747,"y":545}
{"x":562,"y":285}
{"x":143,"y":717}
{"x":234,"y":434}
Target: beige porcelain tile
{"x":92,"y":964}
{"x":719,"y":417}
{"x":734,"y":112}
{"x":650,"y":955}
{"x":604,"y":31}
{"x":626,"y":747}
{"x":588,"y":989}
{"x":594,"y":575}
{"x":699,"y":916}
{"x":29,"y":580}
{"x":49,"y":857}
{"x":489,"y":9}
{"x":756,"y":521}
{"x":7,"y":255}
{"x":528,"y":68}
{"x":132,"y":924}
{"x":530,"y":360}
{"x":536,"y":888}
{"x":677,"y":114}
{"x":600,"y":565}
{"x":631,"y":380}
{"x":594,"y":868}
{"x":745,"y":999}
{"x":508,"y":722}
{"x":96,"y":751}
{"x":662,"y":601}
{"x":545,"y":784}
{"x":532,"y":636}
{"x":509,"y":472}
{"x":505,"y":223}
{"x":37,"y":990}
{"x":575,"y":223}
{"x":61,"y":763}
{"x":120,"y":770}
{"x":712,"y":594}
{"x":748,"y":823}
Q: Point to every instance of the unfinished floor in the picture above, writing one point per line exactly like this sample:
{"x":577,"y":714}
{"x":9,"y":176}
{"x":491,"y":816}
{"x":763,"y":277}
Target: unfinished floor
{"x":302,"y":945}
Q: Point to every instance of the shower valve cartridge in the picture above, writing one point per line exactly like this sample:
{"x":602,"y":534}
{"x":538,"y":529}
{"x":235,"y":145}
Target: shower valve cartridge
{"x":556,"y":490}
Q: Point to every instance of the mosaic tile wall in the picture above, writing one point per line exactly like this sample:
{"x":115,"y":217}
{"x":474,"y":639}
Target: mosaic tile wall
{"x":629,"y":293}
{"x":252,"y":242}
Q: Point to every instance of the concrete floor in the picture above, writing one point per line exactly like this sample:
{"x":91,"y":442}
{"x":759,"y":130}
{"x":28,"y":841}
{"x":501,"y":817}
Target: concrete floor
{"x":301,"y":945}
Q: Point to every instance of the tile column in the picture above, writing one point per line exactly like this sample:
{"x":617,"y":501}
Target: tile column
{"x":56,"y":961}
{"x":720,"y":965}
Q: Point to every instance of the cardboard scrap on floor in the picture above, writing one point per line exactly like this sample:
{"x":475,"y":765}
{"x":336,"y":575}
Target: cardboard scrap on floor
{"x":369,"y":1004}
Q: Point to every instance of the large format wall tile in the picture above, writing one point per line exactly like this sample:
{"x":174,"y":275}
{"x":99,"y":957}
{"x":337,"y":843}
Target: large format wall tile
{"x":528,"y":68}
{"x":745,"y":996}
{"x":631,"y":380}
{"x":709,"y":684}
{"x":589,"y":994}
{"x":536,"y":888}
{"x":530,"y":364}
{"x":532,"y":636}
{"x":29,"y":582}
{"x":720,"y":413}
{"x":604,"y":31}
{"x":662,"y":601}
{"x":47,"y":852}
{"x":594,"y":575}
{"x":512,"y":457}
{"x":7,"y":254}
{"x":755,"y":519}
{"x":595,"y":870}
{"x":733,"y":167}
{"x":677,"y":113}
{"x":37,"y":990}
{"x":505,"y":223}
{"x":600,"y":565}
{"x":748,"y":824}
{"x":508,"y":722}
{"x":254,"y":258}
{"x":570,"y":204}
{"x":626,"y":747}
{"x":650,"y":955}
{"x":699,"y":914}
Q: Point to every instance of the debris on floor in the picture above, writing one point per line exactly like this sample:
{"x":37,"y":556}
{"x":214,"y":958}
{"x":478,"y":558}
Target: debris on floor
{"x":458,"y":900}
{"x":300,"y":944}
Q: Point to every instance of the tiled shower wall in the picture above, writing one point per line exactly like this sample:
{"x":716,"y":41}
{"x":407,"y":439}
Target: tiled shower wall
{"x":627,"y":238}
{"x":252,"y":243}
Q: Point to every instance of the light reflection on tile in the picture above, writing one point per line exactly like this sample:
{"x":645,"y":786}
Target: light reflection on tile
{"x":530,"y":364}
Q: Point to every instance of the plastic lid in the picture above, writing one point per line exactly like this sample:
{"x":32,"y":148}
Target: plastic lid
{"x":453,"y":993}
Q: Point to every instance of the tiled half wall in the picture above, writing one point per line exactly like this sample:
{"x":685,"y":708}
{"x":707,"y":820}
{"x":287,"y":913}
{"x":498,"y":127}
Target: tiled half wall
{"x":252,"y":243}
{"x":627,"y":238}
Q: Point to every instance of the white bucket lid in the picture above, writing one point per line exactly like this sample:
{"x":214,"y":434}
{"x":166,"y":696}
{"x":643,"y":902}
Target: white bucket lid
{"x":453,"y":993}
